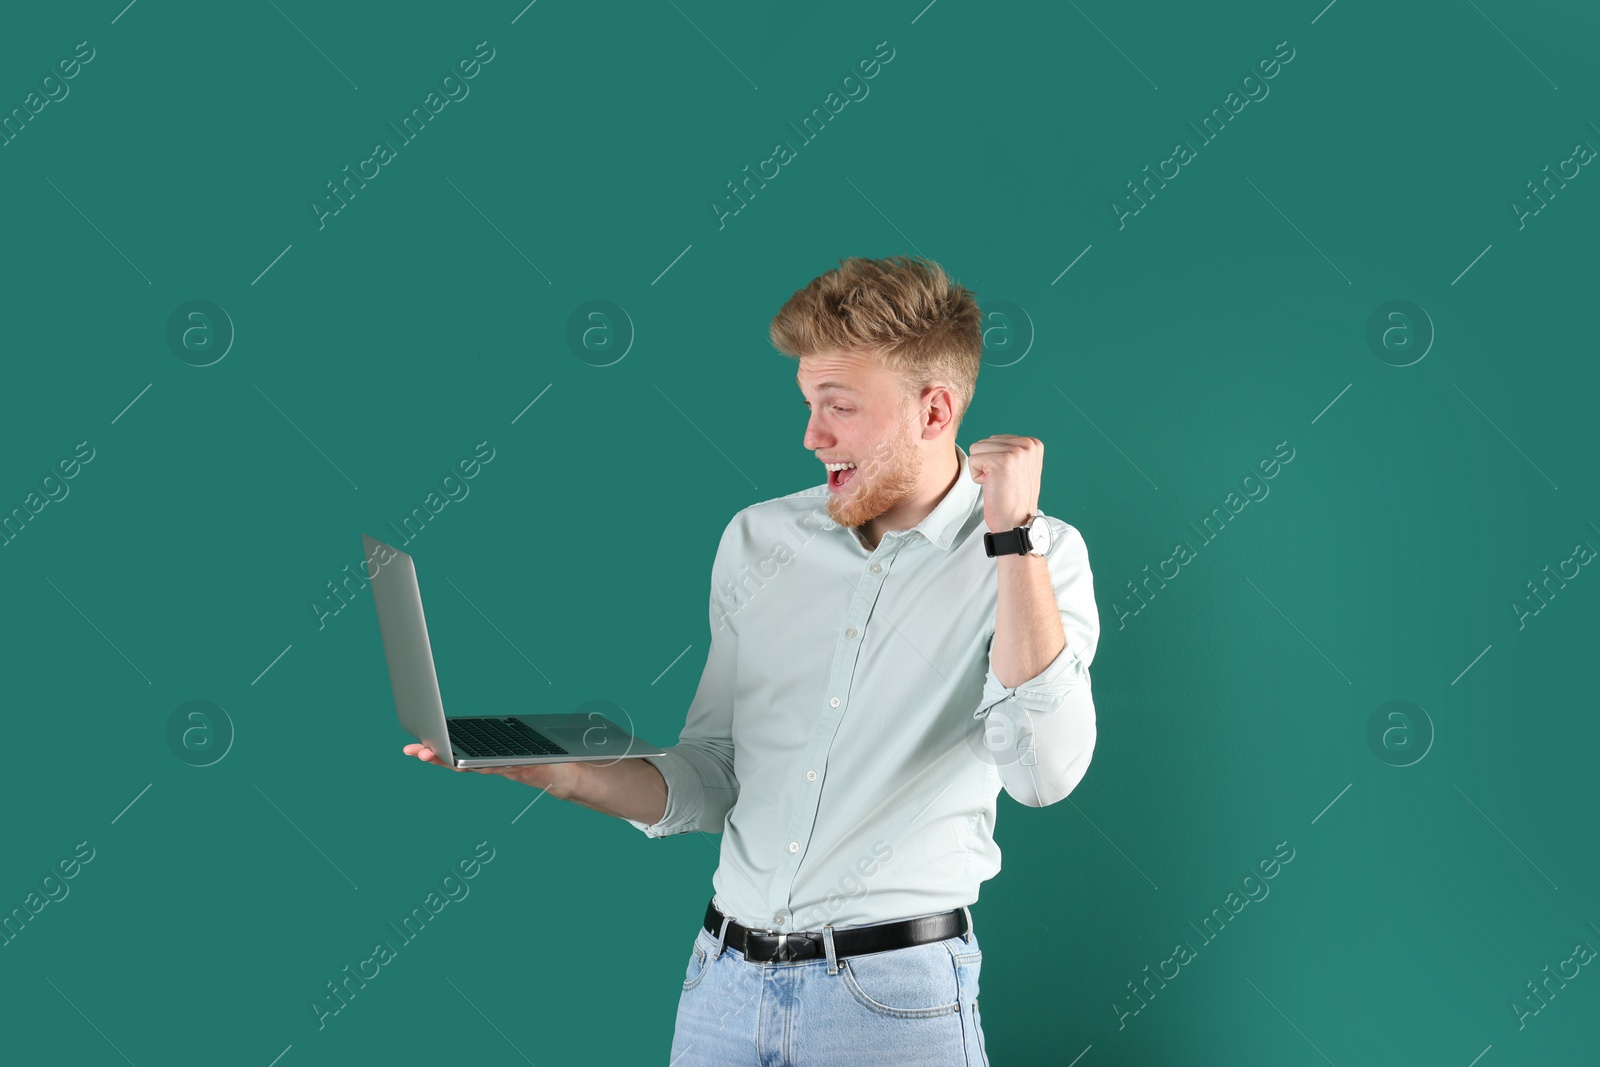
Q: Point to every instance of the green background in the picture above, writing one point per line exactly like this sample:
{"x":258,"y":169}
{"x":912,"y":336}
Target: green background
{"x":372,"y":354}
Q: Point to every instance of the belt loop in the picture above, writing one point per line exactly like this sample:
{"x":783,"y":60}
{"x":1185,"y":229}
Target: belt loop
{"x":968,"y":935}
{"x":722,"y":936}
{"x":827,"y":942}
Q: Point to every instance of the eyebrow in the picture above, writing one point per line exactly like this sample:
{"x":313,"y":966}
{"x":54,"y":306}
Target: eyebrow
{"x":841,"y":386}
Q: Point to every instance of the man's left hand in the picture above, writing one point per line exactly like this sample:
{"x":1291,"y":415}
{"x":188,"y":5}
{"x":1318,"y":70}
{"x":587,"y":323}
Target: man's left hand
{"x":1010,"y":469}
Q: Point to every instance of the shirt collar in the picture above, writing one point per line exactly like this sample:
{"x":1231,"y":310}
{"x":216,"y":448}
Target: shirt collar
{"x":941,"y":525}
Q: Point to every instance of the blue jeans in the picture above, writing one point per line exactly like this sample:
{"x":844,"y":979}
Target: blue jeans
{"x":915,"y":1006}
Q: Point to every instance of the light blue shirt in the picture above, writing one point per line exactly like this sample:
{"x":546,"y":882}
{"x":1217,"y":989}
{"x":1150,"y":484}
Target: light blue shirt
{"x":849,"y":738}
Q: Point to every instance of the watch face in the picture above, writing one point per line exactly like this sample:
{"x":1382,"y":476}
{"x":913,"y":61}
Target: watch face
{"x":1039,"y":535}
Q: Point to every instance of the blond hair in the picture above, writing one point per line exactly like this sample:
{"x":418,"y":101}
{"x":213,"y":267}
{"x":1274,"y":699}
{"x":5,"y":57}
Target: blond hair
{"x":904,"y":311}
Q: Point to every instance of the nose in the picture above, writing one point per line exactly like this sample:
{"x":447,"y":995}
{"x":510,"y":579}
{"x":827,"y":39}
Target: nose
{"x":815,"y":439}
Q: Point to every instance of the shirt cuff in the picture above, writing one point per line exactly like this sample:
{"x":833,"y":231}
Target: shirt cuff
{"x":1045,"y":691}
{"x":685,"y":796}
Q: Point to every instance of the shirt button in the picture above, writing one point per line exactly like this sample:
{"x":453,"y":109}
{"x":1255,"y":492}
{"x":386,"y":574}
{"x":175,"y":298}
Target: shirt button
{"x":876,"y":568}
{"x":850,"y":632}
{"x":811,"y":776}
{"x":833,"y":702}
{"x":794,"y":846}
{"x":777,"y":920}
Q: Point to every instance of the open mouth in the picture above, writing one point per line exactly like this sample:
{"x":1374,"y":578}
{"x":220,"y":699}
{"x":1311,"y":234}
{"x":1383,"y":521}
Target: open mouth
{"x":839,"y":479}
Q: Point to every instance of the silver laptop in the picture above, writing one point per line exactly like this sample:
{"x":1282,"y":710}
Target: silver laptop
{"x":480,"y":741}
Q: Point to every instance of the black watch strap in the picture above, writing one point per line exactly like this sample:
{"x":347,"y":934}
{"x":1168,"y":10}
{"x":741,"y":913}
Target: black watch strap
{"x":1007,"y":542}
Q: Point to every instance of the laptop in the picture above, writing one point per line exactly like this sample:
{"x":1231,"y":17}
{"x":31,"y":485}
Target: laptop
{"x":477,"y":741}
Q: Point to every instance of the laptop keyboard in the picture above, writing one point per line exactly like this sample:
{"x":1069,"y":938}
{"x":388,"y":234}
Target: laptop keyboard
{"x":486,"y":738}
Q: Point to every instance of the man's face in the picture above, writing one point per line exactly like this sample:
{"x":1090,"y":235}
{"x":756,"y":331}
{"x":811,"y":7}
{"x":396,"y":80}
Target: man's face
{"x":860,"y":414}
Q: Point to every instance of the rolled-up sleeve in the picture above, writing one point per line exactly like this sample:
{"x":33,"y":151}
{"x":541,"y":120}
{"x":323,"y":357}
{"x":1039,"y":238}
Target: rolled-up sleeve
{"x":699,"y":769}
{"x":1041,"y":733}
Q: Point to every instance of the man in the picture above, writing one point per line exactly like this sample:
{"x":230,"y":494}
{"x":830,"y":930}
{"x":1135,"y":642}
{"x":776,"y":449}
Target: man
{"x":880,"y":668}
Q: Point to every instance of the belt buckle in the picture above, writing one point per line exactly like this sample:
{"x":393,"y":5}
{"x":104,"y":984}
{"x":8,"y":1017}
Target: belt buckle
{"x":807,"y":946}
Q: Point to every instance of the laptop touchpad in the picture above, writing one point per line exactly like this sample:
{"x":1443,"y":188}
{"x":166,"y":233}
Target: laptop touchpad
{"x":572,"y":737}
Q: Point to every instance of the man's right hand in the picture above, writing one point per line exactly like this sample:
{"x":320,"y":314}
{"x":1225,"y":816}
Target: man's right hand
{"x":558,"y":779}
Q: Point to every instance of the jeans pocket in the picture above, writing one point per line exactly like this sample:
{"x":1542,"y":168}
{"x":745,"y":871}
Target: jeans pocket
{"x":904,"y":983}
{"x":699,"y":961}
{"x":969,"y":965}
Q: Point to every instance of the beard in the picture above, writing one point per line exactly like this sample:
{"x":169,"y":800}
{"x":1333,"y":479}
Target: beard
{"x":881,"y":482}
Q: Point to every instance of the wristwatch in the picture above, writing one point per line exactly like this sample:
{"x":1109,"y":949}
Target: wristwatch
{"x":1030,"y":539}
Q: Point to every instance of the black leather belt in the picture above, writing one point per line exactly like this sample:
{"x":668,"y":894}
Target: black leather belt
{"x":763,"y":946}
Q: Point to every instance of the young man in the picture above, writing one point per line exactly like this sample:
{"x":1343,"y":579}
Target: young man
{"x":888,"y":651}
